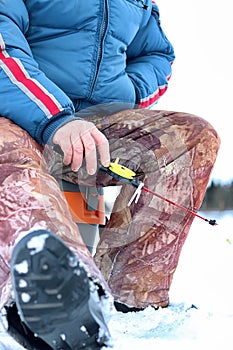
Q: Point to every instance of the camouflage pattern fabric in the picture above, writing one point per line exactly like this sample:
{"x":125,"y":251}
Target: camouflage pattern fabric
{"x":30,"y":198}
{"x":172,"y":153}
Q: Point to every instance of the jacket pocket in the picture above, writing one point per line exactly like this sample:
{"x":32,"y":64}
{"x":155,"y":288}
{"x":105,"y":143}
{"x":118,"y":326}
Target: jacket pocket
{"x":143,"y":4}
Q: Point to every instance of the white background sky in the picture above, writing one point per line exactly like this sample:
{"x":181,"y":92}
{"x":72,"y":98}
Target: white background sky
{"x":201,"y":32}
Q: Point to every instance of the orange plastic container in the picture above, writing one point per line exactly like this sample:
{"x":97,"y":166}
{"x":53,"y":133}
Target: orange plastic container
{"x":81,"y":212}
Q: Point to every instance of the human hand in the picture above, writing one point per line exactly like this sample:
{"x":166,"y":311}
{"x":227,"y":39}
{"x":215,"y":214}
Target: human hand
{"x":78,"y":139}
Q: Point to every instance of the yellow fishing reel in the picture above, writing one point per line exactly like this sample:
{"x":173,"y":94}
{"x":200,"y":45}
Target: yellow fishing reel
{"x":120,"y":172}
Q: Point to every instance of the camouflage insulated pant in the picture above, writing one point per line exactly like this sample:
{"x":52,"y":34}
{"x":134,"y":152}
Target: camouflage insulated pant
{"x":137,"y":255}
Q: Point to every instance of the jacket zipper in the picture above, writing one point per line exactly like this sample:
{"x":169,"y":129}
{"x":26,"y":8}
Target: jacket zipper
{"x":102,"y":34}
{"x":144,"y":6}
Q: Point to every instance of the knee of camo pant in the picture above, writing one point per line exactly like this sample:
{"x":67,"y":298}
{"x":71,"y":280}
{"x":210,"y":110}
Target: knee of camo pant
{"x":17,"y":146}
{"x":198,"y":136}
{"x":201,"y":130}
{"x":207,"y":143}
{"x":203,"y":142}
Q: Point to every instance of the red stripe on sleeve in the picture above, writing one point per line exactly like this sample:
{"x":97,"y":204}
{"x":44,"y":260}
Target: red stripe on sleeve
{"x":17,"y":72}
{"x":153,"y":99}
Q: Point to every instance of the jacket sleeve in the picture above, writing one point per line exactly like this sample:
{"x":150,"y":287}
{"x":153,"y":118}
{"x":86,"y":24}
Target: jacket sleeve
{"x":27,"y":96}
{"x":149,"y":59}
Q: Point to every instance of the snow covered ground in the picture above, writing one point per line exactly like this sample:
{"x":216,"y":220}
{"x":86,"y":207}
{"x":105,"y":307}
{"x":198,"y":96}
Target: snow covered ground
{"x":201,"y":310}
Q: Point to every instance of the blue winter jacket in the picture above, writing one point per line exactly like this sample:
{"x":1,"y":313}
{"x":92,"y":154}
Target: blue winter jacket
{"x":58,"y":57}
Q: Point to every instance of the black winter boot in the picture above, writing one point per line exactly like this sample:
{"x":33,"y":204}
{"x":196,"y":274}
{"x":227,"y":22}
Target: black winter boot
{"x":57,"y":302}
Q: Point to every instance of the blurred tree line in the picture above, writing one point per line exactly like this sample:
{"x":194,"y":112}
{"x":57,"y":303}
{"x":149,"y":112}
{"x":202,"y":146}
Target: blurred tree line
{"x":218,"y":197}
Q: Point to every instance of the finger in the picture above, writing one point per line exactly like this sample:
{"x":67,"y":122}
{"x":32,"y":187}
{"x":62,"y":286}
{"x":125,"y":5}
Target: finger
{"x":66,"y":148}
{"x":104,"y":153}
{"x":65,"y":145}
{"x":90,"y":153}
{"x":77,"y":153}
{"x":103,"y":146}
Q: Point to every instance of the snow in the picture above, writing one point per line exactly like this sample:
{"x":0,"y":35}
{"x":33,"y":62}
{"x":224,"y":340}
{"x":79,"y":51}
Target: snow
{"x":201,"y":309}
{"x":37,"y":243}
{"x":22,"y":267}
{"x":201,"y":306}
{"x":22,"y":283}
{"x":63,"y":336}
{"x":25,"y":297}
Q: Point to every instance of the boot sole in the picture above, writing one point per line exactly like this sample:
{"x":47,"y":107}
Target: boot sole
{"x":54,"y":295}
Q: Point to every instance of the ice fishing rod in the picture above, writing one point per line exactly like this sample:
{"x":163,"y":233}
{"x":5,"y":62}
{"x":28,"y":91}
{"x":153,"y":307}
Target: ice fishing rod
{"x":124,"y":174}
